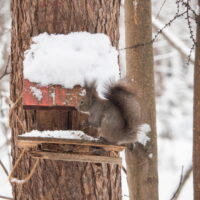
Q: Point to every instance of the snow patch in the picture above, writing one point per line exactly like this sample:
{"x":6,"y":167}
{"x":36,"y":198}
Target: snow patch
{"x":53,"y":95}
{"x":36,"y":92}
{"x":135,"y":4}
{"x":142,"y":132}
{"x":15,"y":180}
{"x":69,"y":60}
{"x":197,"y":9}
{"x":150,"y":155}
{"x":72,"y":134}
{"x":82,"y":93}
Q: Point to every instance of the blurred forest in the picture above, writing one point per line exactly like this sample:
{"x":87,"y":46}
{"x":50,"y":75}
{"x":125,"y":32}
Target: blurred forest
{"x":174,"y":94}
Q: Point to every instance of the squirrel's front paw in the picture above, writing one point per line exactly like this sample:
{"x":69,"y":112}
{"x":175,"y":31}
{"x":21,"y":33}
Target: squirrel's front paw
{"x":103,"y":140}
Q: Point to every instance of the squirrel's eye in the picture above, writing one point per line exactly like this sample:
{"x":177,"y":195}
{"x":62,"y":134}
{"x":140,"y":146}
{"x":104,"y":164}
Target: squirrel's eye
{"x":81,"y":102}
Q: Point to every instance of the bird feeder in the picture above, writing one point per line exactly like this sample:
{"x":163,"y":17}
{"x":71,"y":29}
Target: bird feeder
{"x":81,"y":148}
{"x":74,"y":60}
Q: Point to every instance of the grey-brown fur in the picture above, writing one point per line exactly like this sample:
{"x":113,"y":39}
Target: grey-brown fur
{"x":117,"y":117}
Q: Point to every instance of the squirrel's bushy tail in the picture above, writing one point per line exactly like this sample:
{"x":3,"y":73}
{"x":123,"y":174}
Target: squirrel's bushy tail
{"x":124,"y":97}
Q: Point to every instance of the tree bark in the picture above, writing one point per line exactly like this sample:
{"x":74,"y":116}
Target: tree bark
{"x":58,"y":179}
{"x":142,"y":161}
{"x":196,"y":118}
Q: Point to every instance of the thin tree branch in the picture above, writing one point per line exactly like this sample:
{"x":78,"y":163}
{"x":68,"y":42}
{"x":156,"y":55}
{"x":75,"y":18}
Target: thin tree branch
{"x":173,"y":40}
{"x":6,"y":69}
{"x":183,"y":180}
{"x":157,"y":34}
{"x":8,"y":198}
{"x":4,"y":168}
{"x":160,"y":8}
{"x":124,"y":169}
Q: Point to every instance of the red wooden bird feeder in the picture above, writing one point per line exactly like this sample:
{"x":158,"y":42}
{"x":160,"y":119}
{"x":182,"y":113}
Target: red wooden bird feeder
{"x":37,"y":96}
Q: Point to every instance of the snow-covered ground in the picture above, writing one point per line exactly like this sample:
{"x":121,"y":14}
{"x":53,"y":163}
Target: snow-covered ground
{"x":174,"y":88}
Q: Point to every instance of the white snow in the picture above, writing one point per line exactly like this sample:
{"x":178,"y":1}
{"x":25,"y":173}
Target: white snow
{"x":122,"y":52}
{"x":142,"y":137}
{"x":15,"y":180}
{"x":72,"y":134}
{"x":82,"y":93}
{"x":53,"y":95}
{"x":36,"y":92}
{"x":69,"y":60}
{"x":150,"y":155}
{"x":135,"y":4}
{"x":197,"y":9}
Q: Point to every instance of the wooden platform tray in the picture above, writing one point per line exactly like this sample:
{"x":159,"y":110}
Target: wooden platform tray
{"x":29,"y":142}
{"x":75,"y":157}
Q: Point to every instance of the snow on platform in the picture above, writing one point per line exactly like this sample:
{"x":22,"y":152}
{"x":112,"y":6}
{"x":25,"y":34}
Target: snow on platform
{"x":71,"y":135}
{"x":74,"y":137}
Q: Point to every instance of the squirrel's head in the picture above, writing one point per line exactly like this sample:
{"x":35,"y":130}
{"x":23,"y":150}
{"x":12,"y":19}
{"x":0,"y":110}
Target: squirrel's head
{"x":89,"y":98}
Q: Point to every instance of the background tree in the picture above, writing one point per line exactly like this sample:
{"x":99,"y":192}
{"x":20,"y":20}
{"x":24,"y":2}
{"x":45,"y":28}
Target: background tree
{"x":58,"y":180}
{"x":141,"y":161}
{"x":196,"y":110}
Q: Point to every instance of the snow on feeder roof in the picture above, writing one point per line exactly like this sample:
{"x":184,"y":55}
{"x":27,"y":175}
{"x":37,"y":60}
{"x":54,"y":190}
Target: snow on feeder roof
{"x":55,"y":64}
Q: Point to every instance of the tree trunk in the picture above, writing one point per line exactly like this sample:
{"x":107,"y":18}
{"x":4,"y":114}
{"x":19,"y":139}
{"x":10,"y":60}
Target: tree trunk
{"x":58,"y":179}
{"x":142,"y":161}
{"x":196,"y":123}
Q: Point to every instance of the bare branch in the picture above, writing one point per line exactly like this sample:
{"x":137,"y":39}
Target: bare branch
{"x":183,"y":180}
{"x":6,"y":69}
{"x":157,"y":34}
{"x":4,"y":168}
{"x":173,"y":40}
{"x":8,"y":198}
{"x":124,"y":169}
{"x":161,"y":8}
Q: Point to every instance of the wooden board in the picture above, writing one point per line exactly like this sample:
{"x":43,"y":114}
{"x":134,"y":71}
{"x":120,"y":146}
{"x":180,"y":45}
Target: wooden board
{"x":75,"y":157}
{"x":27,"y":142}
{"x":52,"y":96}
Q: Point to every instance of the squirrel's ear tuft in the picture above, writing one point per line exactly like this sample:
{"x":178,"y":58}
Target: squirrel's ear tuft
{"x":93,"y":85}
{"x":85,"y":83}
{"x":90,"y":87}
{"x":86,"y":86}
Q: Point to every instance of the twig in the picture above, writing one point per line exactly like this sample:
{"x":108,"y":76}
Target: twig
{"x":183,"y":180}
{"x":160,"y":8}
{"x":189,"y":24}
{"x":124,"y":169}
{"x":174,"y":40}
{"x":157,"y":34}
{"x":8,"y":198}
{"x":190,"y":55}
{"x":4,"y":168}
{"x":6,"y":69}
{"x":186,"y":4}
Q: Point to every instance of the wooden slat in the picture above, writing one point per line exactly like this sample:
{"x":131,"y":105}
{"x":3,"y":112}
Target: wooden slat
{"x":52,"y":96}
{"x":75,"y":157}
{"x":34,"y":141}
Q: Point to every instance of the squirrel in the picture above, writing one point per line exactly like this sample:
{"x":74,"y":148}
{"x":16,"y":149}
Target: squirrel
{"x":117,"y":117}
